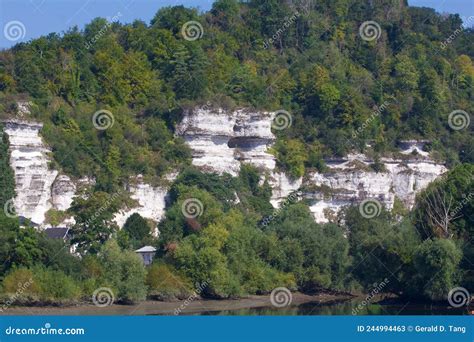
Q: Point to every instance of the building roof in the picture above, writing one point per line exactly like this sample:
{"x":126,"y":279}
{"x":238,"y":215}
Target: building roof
{"x":146,"y":249}
{"x":24,"y":221}
{"x":56,"y":233}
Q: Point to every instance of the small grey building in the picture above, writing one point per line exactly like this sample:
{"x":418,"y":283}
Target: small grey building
{"x":147,"y":253}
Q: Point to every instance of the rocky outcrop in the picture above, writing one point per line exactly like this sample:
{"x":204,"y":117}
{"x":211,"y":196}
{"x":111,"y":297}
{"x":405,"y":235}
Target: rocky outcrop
{"x":150,"y":200}
{"x":39,"y":189}
{"x":221,"y":141}
{"x":29,"y":160}
{"x":351,"y":181}
{"x":63,"y":192}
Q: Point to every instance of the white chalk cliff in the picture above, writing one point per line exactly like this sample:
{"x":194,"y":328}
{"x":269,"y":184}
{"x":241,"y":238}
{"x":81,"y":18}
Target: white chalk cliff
{"x":39,"y":189}
{"x":350,"y":181}
{"x":151,"y":200}
{"x":221,"y":141}
{"x":29,"y":160}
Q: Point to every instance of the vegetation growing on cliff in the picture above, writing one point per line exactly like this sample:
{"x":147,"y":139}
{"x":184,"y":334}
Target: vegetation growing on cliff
{"x":319,"y":70}
{"x":401,"y":85}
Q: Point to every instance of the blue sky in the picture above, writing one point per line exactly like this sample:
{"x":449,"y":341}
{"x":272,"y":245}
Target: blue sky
{"x":40,"y":17}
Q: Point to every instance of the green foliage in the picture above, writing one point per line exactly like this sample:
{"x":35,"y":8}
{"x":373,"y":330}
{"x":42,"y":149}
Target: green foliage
{"x":435,"y":271}
{"x":143,"y":74}
{"x":331,"y":81}
{"x":55,"y":217}
{"x":26,"y":247}
{"x":193,"y":209}
{"x":201,"y":258}
{"x":455,"y":191}
{"x":292,"y":156}
{"x":318,"y":255}
{"x":20,"y":278}
{"x":138,"y":231}
{"x":55,"y":286}
{"x":7,"y":181}
{"x":124,"y":273}
{"x":244,"y":249}
{"x":41,"y":285}
{"x":380,"y":249}
{"x":94,"y":225}
{"x":164,"y":283}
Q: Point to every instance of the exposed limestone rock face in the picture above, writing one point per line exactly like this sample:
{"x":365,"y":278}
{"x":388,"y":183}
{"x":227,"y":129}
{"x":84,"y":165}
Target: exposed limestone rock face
{"x":151,"y":201}
{"x":63,"y":192}
{"x":40,"y":189}
{"x":29,"y":160}
{"x":282,"y":186}
{"x":351,"y":181}
{"x":221,"y":141}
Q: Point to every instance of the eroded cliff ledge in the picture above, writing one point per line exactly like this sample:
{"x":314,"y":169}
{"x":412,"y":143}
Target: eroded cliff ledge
{"x":39,"y":188}
{"x":222,"y":141}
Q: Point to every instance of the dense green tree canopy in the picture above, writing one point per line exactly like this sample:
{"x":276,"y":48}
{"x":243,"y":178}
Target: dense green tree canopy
{"x":307,"y":58}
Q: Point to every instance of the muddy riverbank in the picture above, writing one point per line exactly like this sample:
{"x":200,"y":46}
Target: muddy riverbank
{"x":183,"y":307}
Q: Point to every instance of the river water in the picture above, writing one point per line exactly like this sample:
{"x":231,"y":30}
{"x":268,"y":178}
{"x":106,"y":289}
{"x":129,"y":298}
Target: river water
{"x":347,"y":308}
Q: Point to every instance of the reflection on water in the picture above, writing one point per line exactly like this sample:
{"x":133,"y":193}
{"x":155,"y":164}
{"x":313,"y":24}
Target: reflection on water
{"x":346,"y":308}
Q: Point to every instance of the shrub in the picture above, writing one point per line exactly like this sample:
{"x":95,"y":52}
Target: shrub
{"x":124,"y":273}
{"x":436,"y":271}
{"x":41,"y":285}
{"x":55,"y":217}
{"x":137,"y":227}
{"x":164,"y":283}
{"x":18,"y":287}
{"x":291,"y":156}
{"x":56,"y":287}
